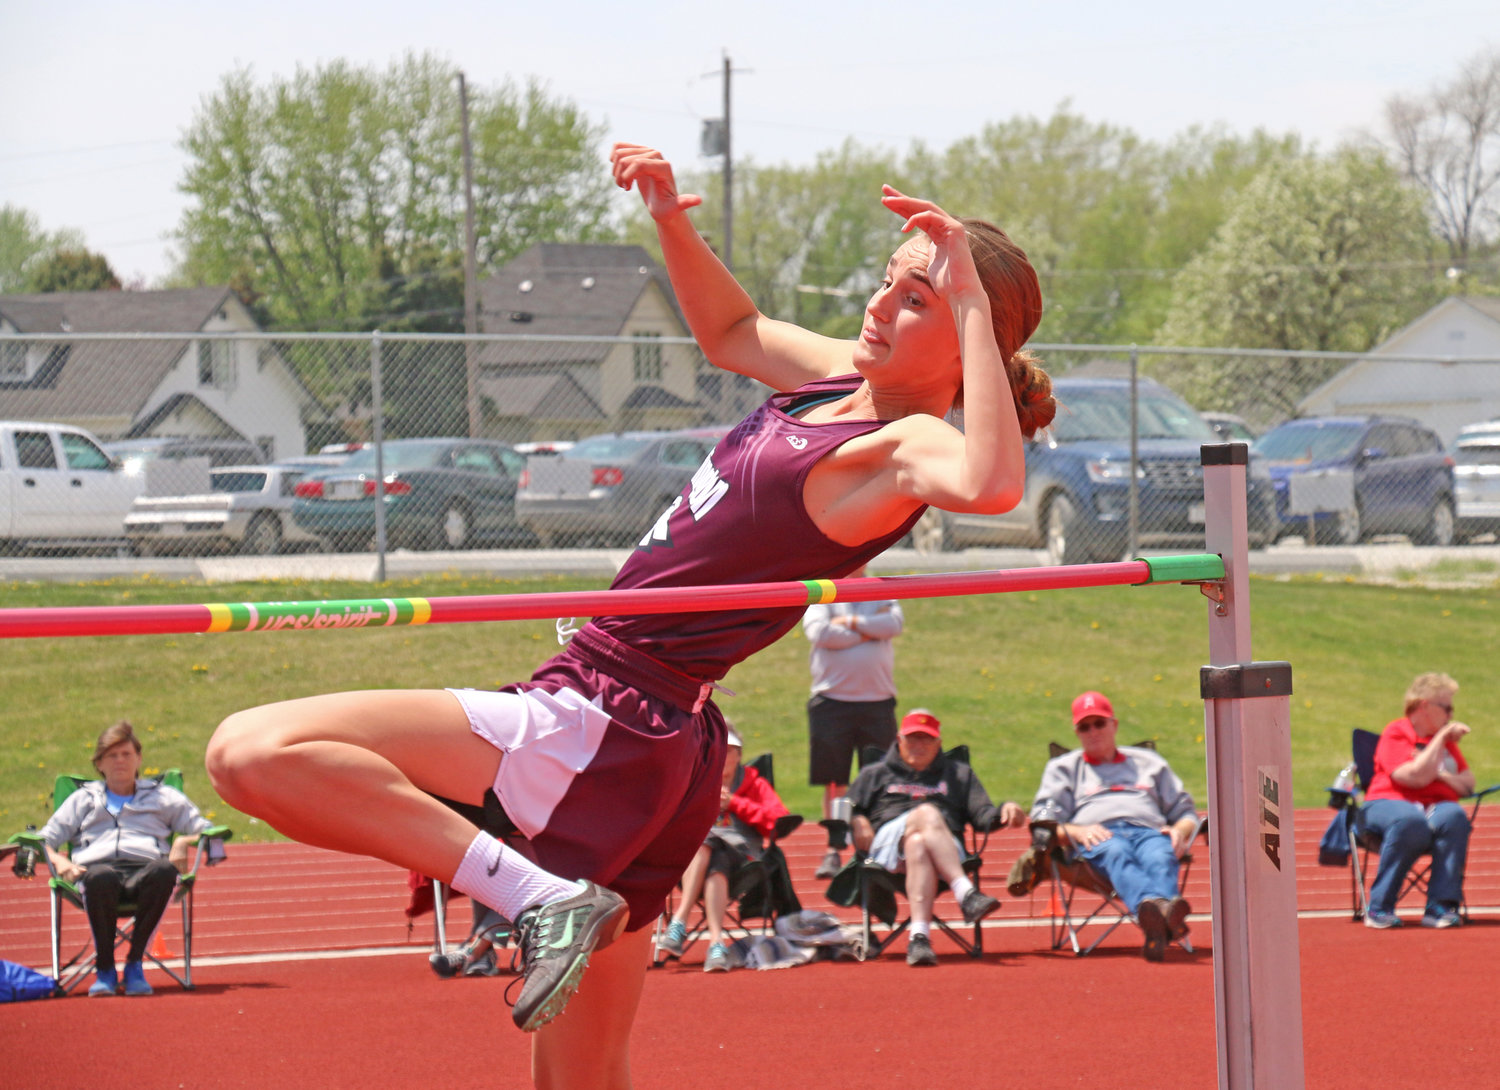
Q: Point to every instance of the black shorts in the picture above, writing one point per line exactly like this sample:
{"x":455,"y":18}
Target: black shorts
{"x":839,"y":729}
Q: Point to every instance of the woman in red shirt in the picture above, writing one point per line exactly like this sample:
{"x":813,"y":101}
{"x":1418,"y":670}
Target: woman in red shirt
{"x":1413,"y":805}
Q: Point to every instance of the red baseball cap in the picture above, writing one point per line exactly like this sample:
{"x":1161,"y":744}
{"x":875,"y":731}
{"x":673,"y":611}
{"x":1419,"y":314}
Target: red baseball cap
{"x":921,"y":721}
{"x":1091,"y":703}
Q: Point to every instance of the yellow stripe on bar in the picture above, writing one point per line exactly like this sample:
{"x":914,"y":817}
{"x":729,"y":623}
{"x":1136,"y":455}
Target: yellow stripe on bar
{"x":421,"y":610}
{"x":820,"y":591}
{"x":219,"y":617}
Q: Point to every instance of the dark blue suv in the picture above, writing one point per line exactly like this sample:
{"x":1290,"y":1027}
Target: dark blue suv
{"x":1077,"y":502}
{"x":1402,"y":482}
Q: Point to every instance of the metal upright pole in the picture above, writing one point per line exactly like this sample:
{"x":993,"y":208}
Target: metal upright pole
{"x":1247,"y":726}
{"x":1133,"y":524}
{"x":377,"y":435}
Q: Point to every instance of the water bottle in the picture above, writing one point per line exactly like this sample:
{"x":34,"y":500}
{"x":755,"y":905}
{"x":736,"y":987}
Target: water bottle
{"x":1346,"y":781}
{"x":25,"y":861}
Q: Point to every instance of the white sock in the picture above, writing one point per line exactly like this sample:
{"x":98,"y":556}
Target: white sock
{"x":505,"y":879}
{"x":920,"y":927}
{"x":960,"y":887}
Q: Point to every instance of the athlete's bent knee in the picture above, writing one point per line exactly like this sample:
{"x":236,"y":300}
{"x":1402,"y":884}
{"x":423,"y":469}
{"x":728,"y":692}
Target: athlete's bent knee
{"x":236,"y":752}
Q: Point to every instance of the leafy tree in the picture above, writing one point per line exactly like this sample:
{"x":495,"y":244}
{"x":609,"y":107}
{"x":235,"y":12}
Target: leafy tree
{"x":1315,"y":254}
{"x":23,"y":243}
{"x":315,"y":194}
{"x":72,"y":270}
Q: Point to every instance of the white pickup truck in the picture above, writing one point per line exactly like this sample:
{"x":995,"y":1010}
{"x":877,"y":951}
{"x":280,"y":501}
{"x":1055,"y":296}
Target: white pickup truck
{"x":58,"y":488}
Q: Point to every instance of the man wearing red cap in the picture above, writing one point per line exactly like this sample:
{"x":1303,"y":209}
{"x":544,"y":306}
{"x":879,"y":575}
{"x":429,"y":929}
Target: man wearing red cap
{"x":1124,"y":810}
{"x":908,"y":815}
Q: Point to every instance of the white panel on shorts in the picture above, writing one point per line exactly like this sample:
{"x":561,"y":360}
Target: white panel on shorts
{"x":547,"y":739}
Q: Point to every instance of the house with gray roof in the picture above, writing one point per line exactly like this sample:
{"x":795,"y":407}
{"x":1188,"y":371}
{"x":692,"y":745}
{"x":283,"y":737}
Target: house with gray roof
{"x":156,"y":379}
{"x":1445,"y":374}
{"x":585,"y":338}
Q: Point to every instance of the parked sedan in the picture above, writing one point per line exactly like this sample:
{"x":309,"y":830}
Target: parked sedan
{"x":1476,"y":477}
{"x":607,"y":489}
{"x":248,"y":509}
{"x":1359,"y":476}
{"x":439,"y":494}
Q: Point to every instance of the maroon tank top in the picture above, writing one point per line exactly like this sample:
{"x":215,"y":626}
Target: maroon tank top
{"x":741,"y":520}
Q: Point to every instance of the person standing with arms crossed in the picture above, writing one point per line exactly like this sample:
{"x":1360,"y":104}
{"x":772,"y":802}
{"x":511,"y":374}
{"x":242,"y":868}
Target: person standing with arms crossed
{"x":608,"y":763}
{"x":853,"y":703}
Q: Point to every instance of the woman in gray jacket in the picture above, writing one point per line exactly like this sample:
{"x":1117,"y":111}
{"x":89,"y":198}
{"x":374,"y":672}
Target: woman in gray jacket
{"x":120,"y":834}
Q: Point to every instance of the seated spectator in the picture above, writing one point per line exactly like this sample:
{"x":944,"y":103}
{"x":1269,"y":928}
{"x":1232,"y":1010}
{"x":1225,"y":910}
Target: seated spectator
{"x":476,"y":957}
{"x":1412,"y":804}
{"x":120,"y":830}
{"x":748,"y":809}
{"x":908,"y":814}
{"x":1124,"y":810}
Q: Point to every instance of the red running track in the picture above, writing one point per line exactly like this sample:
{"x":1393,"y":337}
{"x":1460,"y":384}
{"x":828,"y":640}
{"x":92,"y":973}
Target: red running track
{"x":1021,"y":1016}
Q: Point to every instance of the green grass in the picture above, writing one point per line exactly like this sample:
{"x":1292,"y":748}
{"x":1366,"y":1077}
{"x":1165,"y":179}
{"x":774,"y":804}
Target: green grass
{"x":999,"y":670}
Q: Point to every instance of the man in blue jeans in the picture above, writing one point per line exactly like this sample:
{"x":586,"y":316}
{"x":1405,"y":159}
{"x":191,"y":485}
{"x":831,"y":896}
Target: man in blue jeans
{"x":1124,"y":810}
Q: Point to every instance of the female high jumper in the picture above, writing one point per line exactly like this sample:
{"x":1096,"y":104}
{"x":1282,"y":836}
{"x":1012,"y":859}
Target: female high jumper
{"x":607,"y":764}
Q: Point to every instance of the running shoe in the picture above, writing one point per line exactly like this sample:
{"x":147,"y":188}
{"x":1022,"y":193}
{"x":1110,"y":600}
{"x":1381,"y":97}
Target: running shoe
{"x":1381,"y":921}
{"x":717,"y":960}
{"x":554,"y":941}
{"x":1442,"y":918}
{"x":483,"y":965}
{"x":919,"y":951}
{"x":105,"y":983}
{"x":449,"y":964}
{"x":135,"y":979}
{"x":1151,"y":914}
{"x":832,"y":861}
{"x":978,"y":905}
{"x":674,"y":941}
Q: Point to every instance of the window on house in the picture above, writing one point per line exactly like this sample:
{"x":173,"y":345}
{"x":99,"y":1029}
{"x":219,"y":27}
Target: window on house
{"x":647,"y":350}
{"x":216,"y":364}
{"x":267,"y":445}
{"x":12,"y":363}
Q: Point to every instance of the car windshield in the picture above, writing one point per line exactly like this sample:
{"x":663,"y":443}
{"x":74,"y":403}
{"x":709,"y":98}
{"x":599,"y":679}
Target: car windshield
{"x":399,"y":456}
{"x":1477,"y":456}
{"x":237,"y":481}
{"x":1309,"y":442}
{"x":1105,"y":414}
{"x":608,"y":448}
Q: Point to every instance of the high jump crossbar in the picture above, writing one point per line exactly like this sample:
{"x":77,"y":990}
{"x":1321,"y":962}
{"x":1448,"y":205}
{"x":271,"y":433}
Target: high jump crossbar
{"x":1203,"y":568}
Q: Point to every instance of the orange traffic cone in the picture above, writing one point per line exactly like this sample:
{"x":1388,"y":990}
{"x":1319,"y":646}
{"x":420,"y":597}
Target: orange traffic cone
{"x":159,"y":947}
{"x":1054,"y":906}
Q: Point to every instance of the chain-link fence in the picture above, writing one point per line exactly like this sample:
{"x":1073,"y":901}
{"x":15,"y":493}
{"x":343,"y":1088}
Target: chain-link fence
{"x":203,"y":443}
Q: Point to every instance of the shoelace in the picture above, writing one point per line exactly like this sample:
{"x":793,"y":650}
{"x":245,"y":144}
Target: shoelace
{"x":523,"y":955}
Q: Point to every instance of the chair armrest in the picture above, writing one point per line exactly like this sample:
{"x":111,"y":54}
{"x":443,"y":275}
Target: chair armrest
{"x":201,"y":852}
{"x":1481,"y":794}
{"x":1339,"y":799}
{"x":1045,"y":835}
{"x":785,"y":825}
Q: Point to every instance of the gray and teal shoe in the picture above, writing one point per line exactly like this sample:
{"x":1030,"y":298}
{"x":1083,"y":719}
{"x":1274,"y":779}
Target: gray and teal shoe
{"x":717,"y":960}
{"x":554,"y":941}
{"x":674,"y":941}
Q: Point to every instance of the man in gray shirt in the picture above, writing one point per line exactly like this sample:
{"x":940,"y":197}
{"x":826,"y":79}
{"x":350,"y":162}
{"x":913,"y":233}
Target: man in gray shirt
{"x":1124,"y":810}
{"x":853,"y":702}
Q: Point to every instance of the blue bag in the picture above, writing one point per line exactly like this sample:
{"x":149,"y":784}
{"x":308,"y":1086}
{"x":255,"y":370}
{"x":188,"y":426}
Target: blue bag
{"x":18,"y":982}
{"x":1333,"y":849}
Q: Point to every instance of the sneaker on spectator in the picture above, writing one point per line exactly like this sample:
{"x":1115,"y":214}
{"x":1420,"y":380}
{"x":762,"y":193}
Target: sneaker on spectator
{"x":919,"y":951}
{"x":554,"y":941}
{"x":978,"y":905}
{"x":1443,"y":917}
{"x":1178,"y":911}
{"x":1381,"y":921}
{"x":832,"y":861}
{"x":717,"y":960}
{"x":449,"y":964}
{"x":674,"y":941}
{"x":483,"y":965}
{"x":105,"y":983}
{"x":135,"y":979}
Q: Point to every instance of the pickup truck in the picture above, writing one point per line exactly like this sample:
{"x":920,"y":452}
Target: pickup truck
{"x":59,"y":489}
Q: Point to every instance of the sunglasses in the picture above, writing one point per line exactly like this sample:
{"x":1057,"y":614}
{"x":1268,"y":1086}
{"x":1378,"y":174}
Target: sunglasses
{"x":1086,"y":725}
{"x":1446,"y":707}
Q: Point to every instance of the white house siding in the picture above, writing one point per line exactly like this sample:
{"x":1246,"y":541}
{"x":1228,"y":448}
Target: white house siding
{"x":1444,"y":394}
{"x":652,"y":314}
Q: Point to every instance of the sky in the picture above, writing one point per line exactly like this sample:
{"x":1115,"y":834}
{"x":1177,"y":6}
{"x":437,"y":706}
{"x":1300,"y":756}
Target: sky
{"x":95,"y":96}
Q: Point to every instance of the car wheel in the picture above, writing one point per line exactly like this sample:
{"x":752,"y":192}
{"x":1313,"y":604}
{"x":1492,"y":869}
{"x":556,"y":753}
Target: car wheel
{"x":1064,"y":540}
{"x":931,"y":533}
{"x":1440,"y":526}
{"x":1347,"y":528}
{"x":453,"y":530}
{"x":262,"y":536}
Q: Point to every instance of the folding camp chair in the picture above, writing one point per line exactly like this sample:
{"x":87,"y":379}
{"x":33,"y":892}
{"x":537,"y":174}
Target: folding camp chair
{"x":1069,"y":876}
{"x":758,"y":889}
{"x":874,"y":889}
{"x":1362,"y":842}
{"x":69,"y":973}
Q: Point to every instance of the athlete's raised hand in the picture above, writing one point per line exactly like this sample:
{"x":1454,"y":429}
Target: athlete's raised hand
{"x":651,"y":175}
{"x":951,"y":270}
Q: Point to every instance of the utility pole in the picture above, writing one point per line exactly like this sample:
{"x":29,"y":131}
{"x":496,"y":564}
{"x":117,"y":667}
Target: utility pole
{"x":471,"y":274}
{"x":728,"y":174}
